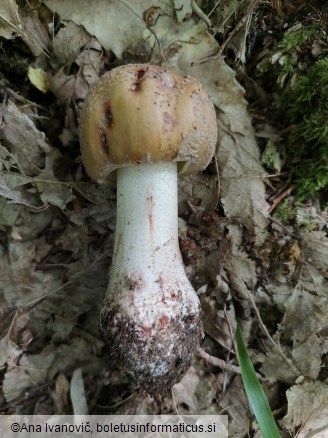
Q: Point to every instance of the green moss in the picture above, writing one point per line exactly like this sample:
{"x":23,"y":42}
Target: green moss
{"x":286,"y":213}
{"x":297,"y":36}
{"x":306,"y":109}
{"x":302,"y":104}
{"x":283,"y":60}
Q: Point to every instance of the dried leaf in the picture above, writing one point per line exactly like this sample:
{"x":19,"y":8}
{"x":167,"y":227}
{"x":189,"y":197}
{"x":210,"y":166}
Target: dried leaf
{"x":60,"y":394}
{"x":32,"y":224}
{"x":66,"y":88}
{"x":34,"y":34}
{"x":200,"y":190}
{"x":216,"y":323}
{"x":23,"y":139}
{"x":9,"y":351}
{"x":307,"y":357}
{"x":18,"y":196}
{"x":183,"y":9}
{"x":10,"y":22}
{"x":8,"y":213}
{"x":78,"y":351}
{"x":15,"y":382}
{"x":31,"y":371}
{"x":117,"y":25}
{"x":241,"y":270}
{"x":316,"y":249}
{"x":306,"y":314}
{"x":53,"y":191}
{"x":308,"y":408}
{"x":38,"y":78}
{"x":21,"y":283}
{"x":194,"y":390}
{"x":68,"y":41}
{"x":92,"y":62}
{"x":276,"y":368}
{"x":234,"y":402}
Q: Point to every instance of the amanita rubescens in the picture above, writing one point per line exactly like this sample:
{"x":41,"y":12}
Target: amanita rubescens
{"x":147,"y":123}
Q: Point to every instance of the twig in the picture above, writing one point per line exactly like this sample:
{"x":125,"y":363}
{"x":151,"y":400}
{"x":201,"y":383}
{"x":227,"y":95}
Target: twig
{"x":214,"y":7}
{"x":220,"y":363}
{"x":284,"y":186}
{"x":279,"y":198}
{"x":196,"y":9}
{"x":3,"y":106}
{"x":218,"y":183}
{"x":229,"y":37}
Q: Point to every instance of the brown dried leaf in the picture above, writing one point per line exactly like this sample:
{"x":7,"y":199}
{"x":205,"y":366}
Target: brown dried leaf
{"x":19,"y":195}
{"x":183,"y":10}
{"x":307,"y":357}
{"x":234,"y":402}
{"x":31,"y":225}
{"x":30,"y":372}
{"x":66,"y":88}
{"x":10,"y":22}
{"x":316,"y":249}
{"x":15,"y":382}
{"x":34,"y":34}
{"x":68,"y":41}
{"x":21,"y":283}
{"x":306,"y":314}
{"x":52,"y":191}
{"x":308,"y":408}
{"x":9,"y":351}
{"x":275,"y":367}
{"x":79,"y":352}
{"x":241,"y":269}
{"x":216,"y":323}
{"x":60,"y":394}
{"x":195,"y":391}
{"x":18,"y":22}
{"x":200,"y":190}
{"x":91,"y":61}
{"x":23,"y":139}
{"x":117,"y":25}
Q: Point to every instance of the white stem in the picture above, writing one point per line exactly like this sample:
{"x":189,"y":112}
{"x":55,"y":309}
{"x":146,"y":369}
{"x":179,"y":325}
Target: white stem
{"x":146,"y":248}
{"x":149,"y":296}
{"x":147,"y":221}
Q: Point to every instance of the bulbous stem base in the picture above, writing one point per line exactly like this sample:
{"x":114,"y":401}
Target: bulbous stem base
{"x":151,"y":319}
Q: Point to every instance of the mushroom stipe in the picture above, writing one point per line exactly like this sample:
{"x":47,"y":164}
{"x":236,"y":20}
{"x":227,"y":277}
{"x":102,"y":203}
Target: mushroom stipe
{"x":144,"y":124}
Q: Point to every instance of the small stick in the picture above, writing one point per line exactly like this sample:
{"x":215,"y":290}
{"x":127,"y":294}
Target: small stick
{"x":284,"y":186}
{"x":220,"y":363}
{"x":196,"y":9}
{"x":229,"y":37}
{"x":279,"y":198}
{"x":3,"y":106}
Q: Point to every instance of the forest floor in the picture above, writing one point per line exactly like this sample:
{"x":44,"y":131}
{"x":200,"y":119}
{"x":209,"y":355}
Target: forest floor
{"x":252,"y":227}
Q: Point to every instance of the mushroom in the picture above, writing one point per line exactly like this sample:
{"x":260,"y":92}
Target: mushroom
{"x":145,"y":123}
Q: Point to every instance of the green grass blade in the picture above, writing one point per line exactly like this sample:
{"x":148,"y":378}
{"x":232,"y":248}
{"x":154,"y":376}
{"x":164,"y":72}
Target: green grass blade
{"x":254,"y":391}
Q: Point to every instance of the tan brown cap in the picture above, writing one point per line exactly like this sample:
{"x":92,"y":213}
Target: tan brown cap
{"x":141,"y":113}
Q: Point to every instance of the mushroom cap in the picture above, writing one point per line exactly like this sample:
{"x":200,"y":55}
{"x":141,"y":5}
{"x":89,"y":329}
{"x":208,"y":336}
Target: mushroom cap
{"x":141,"y":113}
